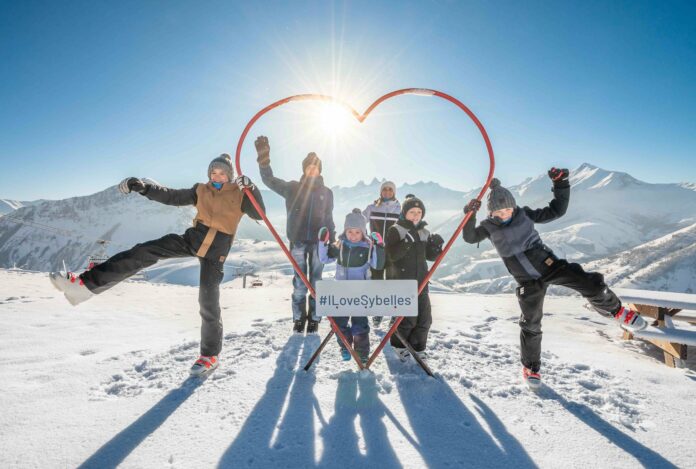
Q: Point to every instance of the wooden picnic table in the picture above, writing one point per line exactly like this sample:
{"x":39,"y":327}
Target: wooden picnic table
{"x":664,"y":308}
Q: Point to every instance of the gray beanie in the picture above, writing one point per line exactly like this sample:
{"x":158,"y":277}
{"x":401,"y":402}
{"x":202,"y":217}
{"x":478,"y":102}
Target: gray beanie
{"x":223,"y":162}
{"x":499,"y":197}
{"x":355,"y":219}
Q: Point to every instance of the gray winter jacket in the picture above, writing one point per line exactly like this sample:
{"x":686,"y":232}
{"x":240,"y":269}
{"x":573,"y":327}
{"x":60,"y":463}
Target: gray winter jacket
{"x":518,"y":243}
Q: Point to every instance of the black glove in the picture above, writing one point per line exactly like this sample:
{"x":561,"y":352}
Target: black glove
{"x":437,"y":240}
{"x":263,"y":150}
{"x":473,"y":205}
{"x":243,"y":182}
{"x":131,"y":185}
{"x":558,"y":174}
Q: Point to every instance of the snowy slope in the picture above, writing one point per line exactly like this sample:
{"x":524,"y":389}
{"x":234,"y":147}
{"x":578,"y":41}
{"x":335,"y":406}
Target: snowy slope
{"x":106,"y":383}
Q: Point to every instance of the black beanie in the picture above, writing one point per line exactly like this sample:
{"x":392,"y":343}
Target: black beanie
{"x":311,"y":158}
{"x":410,"y":202}
{"x":499,"y":197}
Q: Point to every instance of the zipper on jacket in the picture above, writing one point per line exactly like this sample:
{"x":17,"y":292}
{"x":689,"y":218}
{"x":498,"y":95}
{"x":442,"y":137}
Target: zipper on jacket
{"x":309,"y":217}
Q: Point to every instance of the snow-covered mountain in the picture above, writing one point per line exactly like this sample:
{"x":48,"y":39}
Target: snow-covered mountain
{"x":610,"y":213}
{"x":7,"y":206}
{"x":667,"y":263}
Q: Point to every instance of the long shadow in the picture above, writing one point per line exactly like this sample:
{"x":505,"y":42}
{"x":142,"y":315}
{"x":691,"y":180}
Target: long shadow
{"x":646,"y":456}
{"x":341,"y":442}
{"x":112,"y":453}
{"x":266,"y":441}
{"x":450,"y":435}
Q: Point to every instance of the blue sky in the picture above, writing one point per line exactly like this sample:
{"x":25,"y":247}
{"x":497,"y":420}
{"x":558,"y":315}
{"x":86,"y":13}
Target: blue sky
{"x":94,"y":91}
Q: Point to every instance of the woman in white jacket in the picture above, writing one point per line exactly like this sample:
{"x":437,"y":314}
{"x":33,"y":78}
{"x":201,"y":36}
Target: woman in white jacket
{"x":381,"y":214}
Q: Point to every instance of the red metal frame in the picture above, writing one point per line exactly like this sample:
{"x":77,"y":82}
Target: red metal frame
{"x":361,"y":118}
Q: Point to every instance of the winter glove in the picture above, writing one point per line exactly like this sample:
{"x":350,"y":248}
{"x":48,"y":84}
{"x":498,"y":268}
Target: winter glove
{"x":243,"y":182}
{"x":131,"y":185}
{"x":558,"y":175}
{"x":324,"y":235}
{"x":263,"y":150}
{"x":436,"y":240}
{"x":377,"y":238}
{"x":473,"y":206}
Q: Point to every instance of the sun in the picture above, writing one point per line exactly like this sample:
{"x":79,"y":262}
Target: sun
{"x":333,"y":119}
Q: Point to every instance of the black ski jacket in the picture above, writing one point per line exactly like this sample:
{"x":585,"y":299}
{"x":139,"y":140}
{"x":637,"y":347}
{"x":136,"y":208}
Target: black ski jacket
{"x":408,"y":247}
{"x":309,"y":205}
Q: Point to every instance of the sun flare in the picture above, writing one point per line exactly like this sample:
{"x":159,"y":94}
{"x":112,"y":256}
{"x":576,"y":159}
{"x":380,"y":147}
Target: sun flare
{"x":333,"y":119}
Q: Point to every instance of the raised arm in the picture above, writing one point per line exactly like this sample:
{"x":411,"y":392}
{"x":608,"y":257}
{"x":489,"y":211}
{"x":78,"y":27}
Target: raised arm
{"x":471,"y":233}
{"x":263,"y":151}
{"x":561,"y":197}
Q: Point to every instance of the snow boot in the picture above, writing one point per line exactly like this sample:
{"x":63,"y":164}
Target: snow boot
{"x":312,"y":326}
{"x":402,"y":353}
{"x":72,"y":287}
{"x":531,"y":378}
{"x":298,"y":326}
{"x":204,"y":365}
{"x":630,"y":320}
{"x":345,"y":354}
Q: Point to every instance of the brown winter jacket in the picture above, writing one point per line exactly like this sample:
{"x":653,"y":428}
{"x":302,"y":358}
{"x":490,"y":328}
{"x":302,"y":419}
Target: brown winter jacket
{"x":217,"y":218}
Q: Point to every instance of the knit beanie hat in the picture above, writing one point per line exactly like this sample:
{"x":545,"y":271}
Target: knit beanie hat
{"x":223,"y":162}
{"x":387,"y":184}
{"x":499,"y":197}
{"x":311,"y":158}
{"x":412,"y":202}
{"x":355,"y":219}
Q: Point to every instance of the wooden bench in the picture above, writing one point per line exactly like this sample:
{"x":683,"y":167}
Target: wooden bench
{"x":664,"y":308}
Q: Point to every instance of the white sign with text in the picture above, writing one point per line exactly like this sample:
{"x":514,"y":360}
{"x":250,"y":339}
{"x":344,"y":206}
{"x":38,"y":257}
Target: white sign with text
{"x":367,"y":298}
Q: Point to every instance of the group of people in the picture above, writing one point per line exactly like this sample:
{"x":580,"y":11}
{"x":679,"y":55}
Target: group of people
{"x":387,"y":240}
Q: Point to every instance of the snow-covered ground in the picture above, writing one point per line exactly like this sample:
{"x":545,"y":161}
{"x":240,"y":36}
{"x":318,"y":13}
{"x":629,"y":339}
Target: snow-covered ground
{"x":107,"y":383}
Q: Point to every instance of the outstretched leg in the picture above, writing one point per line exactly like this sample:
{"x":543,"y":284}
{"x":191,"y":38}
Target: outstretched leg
{"x":127,"y":263}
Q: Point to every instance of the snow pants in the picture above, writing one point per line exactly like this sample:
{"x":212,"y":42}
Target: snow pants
{"x":415,"y":329}
{"x":127,"y":263}
{"x":307,"y":258}
{"x":530,"y":296}
{"x":358,"y":334}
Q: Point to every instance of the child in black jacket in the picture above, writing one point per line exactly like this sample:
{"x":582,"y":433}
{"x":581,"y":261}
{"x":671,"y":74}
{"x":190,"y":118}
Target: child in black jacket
{"x":534,"y":266}
{"x":408,"y":246}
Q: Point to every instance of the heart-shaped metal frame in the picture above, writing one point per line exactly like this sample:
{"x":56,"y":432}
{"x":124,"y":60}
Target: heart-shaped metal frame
{"x":361,"y":118}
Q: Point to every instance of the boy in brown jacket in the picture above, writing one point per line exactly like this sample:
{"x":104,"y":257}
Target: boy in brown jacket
{"x":220,"y":204}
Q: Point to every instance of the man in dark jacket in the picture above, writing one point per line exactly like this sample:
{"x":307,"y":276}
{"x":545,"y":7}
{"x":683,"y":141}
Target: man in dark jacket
{"x":309,"y":207}
{"x":220,"y":205}
{"x":409,"y":245}
{"x":534,"y":266}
